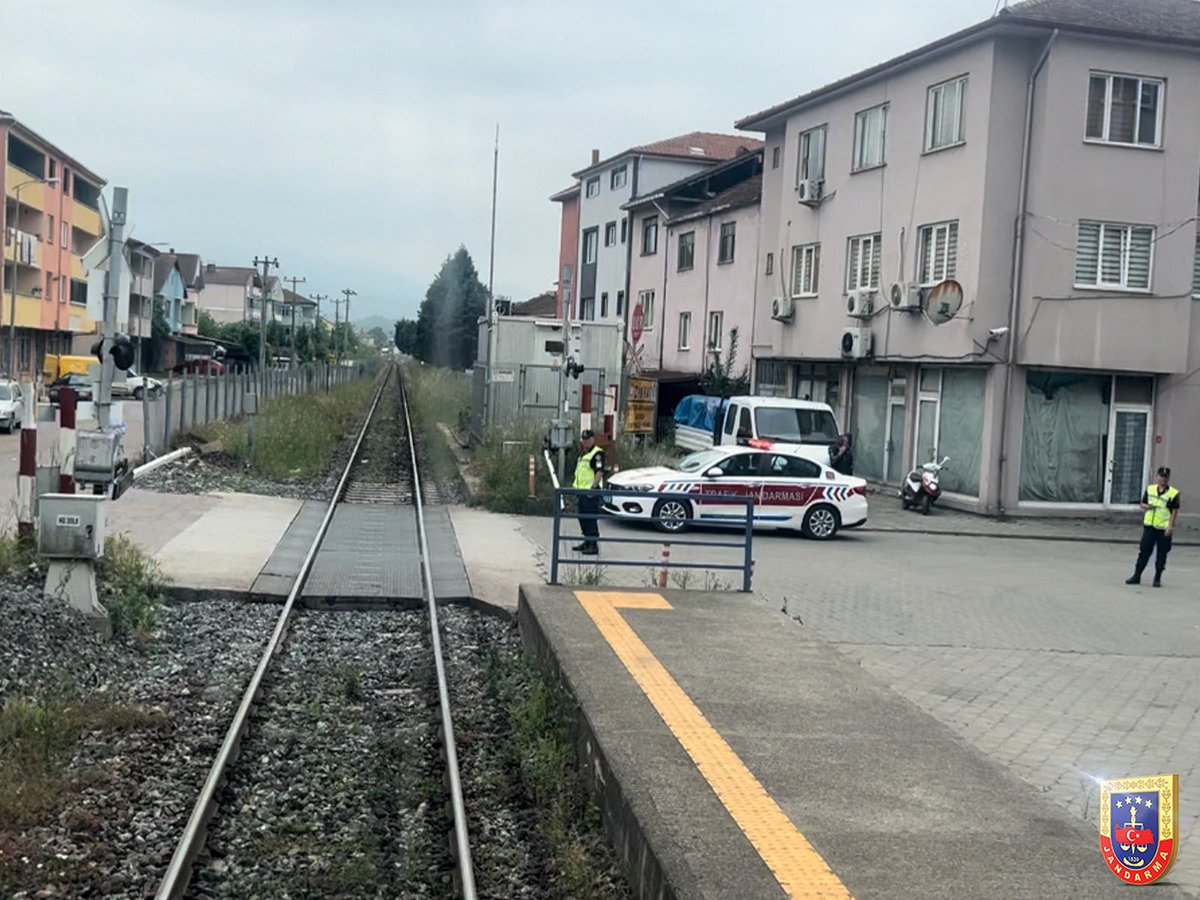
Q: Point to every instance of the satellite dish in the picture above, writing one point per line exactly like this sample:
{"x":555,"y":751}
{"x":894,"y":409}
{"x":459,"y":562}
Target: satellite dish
{"x":943,"y":301}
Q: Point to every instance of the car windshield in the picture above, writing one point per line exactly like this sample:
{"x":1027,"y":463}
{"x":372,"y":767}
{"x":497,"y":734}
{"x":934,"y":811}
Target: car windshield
{"x":5,"y":392}
{"x":701,"y":459}
{"x":795,"y":426}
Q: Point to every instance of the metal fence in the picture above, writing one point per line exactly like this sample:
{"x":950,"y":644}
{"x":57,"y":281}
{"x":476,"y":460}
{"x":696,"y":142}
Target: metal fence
{"x":744,"y":544}
{"x":524,"y":393}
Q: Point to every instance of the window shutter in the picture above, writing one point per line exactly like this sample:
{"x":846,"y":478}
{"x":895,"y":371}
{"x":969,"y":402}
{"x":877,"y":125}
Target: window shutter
{"x":1196,"y":268}
{"x":814,"y":269}
{"x":1112,"y":244}
{"x":873,"y":275}
{"x":951,"y":250}
{"x":852,"y":266}
{"x":1087,"y":253}
{"x":1141,"y":240}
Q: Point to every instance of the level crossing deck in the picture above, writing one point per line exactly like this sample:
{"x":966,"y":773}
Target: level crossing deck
{"x":738,"y":757}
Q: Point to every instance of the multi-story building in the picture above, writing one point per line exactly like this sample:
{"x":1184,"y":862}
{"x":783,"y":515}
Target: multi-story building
{"x":1038,"y":163}
{"x":568,"y":246}
{"x":605,"y":241}
{"x":51,"y":219}
{"x":229,"y":292}
{"x":695,"y":286}
{"x":297,"y":309}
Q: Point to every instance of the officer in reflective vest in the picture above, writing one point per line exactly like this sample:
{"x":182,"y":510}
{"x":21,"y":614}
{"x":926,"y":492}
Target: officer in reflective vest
{"x":1161,"y":503}
{"x":589,"y":476}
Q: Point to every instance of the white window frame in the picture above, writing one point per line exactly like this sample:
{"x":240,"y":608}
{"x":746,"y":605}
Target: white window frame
{"x":933,"y":97}
{"x":722,"y":259}
{"x":770,"y":267}
{"x":1127,"y":229}
{"x":66,"y":233}
{"x":685,"y":331}
{"x":775,"y":154}
{"x":716,"y":327}
{"x":806,"y":270}
{"x":649,"y":224}
{"x":806,"y":170}
{"x":1106,"y":127}
{"x":604,"y":304}
{"x":679,"y":266}
{"x":858,"y":164}
{"x":591,"y":233}
{"x":587,"y":309}
{"x":610,"y":234}
{"x":619,"y":177}
{"x":927,"y":245}
{"x":620,"y":304}
{"x":591,"y":187}
{"x":646,"y":302}
{"x":875,"y":261}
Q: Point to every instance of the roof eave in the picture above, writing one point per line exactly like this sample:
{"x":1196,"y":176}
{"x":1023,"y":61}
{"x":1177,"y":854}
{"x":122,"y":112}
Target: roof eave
{"x":29,"y":134}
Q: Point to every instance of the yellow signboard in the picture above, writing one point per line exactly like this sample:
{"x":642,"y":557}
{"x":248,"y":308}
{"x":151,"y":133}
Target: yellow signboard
{"x":640,"y":406}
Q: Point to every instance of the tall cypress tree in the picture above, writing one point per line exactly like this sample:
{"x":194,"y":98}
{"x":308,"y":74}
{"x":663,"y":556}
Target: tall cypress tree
{"x":447,"y":323}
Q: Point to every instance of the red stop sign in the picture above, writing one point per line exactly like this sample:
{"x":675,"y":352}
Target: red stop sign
{"x":639,"y":321}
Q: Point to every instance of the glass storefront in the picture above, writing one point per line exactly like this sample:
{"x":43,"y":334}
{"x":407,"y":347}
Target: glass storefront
{"x":869,"y":428}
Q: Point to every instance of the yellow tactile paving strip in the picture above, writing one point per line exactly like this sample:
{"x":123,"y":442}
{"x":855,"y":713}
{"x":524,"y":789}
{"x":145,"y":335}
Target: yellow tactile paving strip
{"x":796,"y":865}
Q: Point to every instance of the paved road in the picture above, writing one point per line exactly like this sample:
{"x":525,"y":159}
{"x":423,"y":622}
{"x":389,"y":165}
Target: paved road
{"x":1033,"y":651}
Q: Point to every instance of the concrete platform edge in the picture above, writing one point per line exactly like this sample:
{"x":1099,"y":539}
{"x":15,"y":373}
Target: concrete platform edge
{"x":627,"y":829}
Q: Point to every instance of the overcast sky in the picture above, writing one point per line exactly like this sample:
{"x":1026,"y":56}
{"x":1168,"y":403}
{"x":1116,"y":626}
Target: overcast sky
{"x":353,"y":139}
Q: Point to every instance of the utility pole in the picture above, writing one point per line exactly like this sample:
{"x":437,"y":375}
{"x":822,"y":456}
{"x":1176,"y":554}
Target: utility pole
{"x":488,"y":400}
{"x":348,"y":294}
{"x":266,"y":262}
{"x":337,"y":327}
{"x":112,"y":286}
{"x":318,"y":298}
{"x":295,"y":281}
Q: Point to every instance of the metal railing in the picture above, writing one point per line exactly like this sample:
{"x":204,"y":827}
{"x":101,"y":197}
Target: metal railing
{"x":743,"y":522}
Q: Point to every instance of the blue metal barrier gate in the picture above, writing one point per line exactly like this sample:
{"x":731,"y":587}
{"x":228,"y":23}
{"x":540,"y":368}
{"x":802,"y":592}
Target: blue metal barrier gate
{"x":745,"y":542}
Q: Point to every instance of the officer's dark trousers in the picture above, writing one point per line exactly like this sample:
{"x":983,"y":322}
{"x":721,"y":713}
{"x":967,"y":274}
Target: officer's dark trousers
{"x":1156,"y":541}
{"x":589,"y":504}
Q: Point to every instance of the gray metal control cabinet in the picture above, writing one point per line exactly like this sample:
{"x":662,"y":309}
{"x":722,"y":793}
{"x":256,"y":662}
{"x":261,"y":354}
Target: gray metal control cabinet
{"x":71,"y":526}
{"x":96,"y":456}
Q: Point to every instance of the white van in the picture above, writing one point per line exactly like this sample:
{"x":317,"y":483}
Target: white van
{"x":809,"y":427}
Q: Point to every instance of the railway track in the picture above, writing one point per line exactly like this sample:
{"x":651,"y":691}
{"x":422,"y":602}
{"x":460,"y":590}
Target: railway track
{"x":367,"y":819}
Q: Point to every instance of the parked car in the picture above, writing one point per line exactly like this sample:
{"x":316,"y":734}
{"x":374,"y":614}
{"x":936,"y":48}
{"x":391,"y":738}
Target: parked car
{"x":789,"y":491}
{"x":134,"y":385}
{"x":10,"y":405}
{"x":201,"y":366}
{"x":81,"y":384}
{"x":807,"y":426}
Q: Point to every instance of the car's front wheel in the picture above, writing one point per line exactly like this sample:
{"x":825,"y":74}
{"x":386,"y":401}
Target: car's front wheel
{"x":821,"y":523}
{"x":672,"y":515}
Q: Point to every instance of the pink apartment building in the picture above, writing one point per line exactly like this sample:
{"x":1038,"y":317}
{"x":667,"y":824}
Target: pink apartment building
{"x":568,"y":243}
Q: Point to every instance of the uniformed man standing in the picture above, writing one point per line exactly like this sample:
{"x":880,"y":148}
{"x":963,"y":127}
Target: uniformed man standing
{"x":589,"y":476}
{"x":1161,"y":503}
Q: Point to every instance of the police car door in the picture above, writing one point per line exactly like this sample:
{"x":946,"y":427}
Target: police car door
{"x":739,"y":475}
{"x":790,"y":484}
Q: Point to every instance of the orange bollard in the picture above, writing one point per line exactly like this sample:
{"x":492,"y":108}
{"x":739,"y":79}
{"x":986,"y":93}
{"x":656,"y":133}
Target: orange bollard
{"x":662,"y":573}
{"x":532,"y":477}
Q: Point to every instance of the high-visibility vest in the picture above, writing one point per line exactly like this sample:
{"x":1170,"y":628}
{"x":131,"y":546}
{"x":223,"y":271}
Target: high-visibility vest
{"x":583,"y":470}
{"x":1158,"y":516}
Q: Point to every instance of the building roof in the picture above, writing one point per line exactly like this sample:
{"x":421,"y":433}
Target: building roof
{"x":214,"y":274}
{"x":27,"y":133}
{"x":701,"y":146}
{"x":163,"y":264}
{"x":1170,"y":21}
{"x":746,"y":193}
{"x":191,"y":267}
{"x":566,"y":193}
{"x":542,"y":305}
{"x":730,"y":171}
{"x":291,"y":298}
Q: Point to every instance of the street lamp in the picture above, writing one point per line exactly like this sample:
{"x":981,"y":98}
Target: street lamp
{"x":12,"y":310}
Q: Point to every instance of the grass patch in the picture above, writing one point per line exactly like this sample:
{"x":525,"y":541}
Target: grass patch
{"x":295,"y":435}
{"x":542,"y":751}
{"x":438,"y":397}
{"x":132,"y":586}
{"x":15,"y":554}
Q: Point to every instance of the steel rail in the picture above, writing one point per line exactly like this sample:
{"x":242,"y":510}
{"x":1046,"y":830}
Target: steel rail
{"x":179,"y":872}
{"x":462,"y":842}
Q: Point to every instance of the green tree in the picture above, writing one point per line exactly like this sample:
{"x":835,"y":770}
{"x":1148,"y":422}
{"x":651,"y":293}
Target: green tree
{"x":447,"y":323}
{"x":405,"y":336}
{"x":719,"y":380}
{"x":207,"y":326}
{"x":379,"y":338}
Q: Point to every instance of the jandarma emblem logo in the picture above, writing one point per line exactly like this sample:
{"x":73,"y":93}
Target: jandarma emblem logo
{"x":1139,"y":825}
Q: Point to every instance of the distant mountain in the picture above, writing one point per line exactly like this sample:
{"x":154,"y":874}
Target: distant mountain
{"x":375,"y":322}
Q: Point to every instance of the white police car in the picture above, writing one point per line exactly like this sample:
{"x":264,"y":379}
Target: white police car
{"x":788,"y":490}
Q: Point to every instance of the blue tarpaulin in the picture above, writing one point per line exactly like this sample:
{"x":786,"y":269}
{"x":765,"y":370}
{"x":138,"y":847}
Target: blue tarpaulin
{"x":698,"y":411}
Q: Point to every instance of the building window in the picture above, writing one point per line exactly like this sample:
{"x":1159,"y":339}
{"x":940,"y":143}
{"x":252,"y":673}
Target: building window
{"x":604,"y":304}
{"x":592,"y":188}
{"x":1111,"y":255}
{"x":87,"y":194}
{"x":770,"y":264}
{"x":587,"y":309}
{"x":624,"y":230}
{"x":53,"y":168}
{"x":1123,"y":109}
{"x":869,"y":128}
{"x":618,"y":177}
{"x":590,"y":237}
{"x":1196,"y":269}
{"x":728,"y":233}
{"x":66,"y":233}
{"x":862,"y":262}
{"x":50,"y":230}
{"x":944,"y":118}
{"x":685,"y":331}
{"x":646,"y":301}
{"x":650,"y":236}
{"x":610,"y":234}
{"x":937,"y":253}
{"x":78,"y":292}
{"x":620,"y":304}
{"x":806,"y":267}
{"x":49,"y":286}
{"x":66,"y":182}
{"x":716,"y":324}
{"x":687,"y":250}
{"x":810,"y":159}
{"x":62,"y":288}
{"x":774,"y":157}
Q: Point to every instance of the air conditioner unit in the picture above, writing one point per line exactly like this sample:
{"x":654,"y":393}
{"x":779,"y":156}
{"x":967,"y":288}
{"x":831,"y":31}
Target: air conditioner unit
{"x":856,"y":342}
{"x":906,"y":295}
{"x":783,"y":308}
{"x":860,"y":303}
{"x":808,"y":190}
